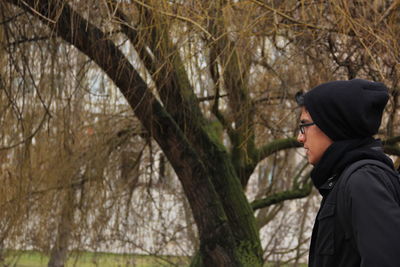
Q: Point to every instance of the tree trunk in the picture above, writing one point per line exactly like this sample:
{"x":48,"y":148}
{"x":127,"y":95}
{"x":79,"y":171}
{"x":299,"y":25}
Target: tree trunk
{"x":226,"y":225}
{"x":59,"y":252}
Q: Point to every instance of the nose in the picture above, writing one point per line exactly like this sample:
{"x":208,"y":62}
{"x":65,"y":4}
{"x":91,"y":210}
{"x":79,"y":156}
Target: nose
{"x":301,"y":138}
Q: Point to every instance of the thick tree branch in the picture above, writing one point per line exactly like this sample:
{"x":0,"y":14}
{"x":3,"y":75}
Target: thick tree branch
{"x":282,"y":196}
{"x":276,"y":146}
{"x":392,"y":150}
{"x":391,"y":141}
{"x":391,"y":147}
{"x":216,"y":77}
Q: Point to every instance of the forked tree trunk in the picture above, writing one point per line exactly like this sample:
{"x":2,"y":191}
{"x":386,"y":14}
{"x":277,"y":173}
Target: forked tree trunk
{"x":225,"y":220}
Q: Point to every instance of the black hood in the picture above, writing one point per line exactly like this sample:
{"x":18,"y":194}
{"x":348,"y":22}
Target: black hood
{"x":347,"y":109}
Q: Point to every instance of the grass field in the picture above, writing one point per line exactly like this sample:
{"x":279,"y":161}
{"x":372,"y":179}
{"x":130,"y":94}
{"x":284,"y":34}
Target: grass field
{"x":88,"y":259}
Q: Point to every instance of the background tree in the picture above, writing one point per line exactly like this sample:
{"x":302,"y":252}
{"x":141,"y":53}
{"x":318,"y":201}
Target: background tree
{"x":211,"y":82}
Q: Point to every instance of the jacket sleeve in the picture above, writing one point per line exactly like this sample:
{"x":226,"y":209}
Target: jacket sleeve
{"x":375,"y":216}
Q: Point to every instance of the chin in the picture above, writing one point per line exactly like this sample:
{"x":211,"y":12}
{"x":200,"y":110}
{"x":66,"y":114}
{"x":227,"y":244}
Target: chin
{"x":312,"y":161}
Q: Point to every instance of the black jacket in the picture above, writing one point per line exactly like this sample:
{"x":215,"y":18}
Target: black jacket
{"x":371,"y":211}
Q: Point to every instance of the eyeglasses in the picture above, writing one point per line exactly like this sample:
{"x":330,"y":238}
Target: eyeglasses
{"x":302,"y":126}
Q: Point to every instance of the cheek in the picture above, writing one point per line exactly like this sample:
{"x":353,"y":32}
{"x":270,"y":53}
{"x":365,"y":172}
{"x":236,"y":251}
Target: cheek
{"x":321,"y":147}
{"x":317,"y":149}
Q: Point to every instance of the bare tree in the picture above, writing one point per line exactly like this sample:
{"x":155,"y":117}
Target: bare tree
{"x":211,"y":82}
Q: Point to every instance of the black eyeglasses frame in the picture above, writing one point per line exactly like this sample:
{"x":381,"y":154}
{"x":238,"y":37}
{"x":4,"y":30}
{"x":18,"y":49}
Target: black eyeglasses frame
{"x":302,"y":126}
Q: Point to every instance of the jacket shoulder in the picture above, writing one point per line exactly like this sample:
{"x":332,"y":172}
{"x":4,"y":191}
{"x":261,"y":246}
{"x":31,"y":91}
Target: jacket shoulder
{"x":371,"y":181}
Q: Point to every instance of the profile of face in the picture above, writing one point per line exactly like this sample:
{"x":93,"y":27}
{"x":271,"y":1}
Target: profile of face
{"x":314,"y":140}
